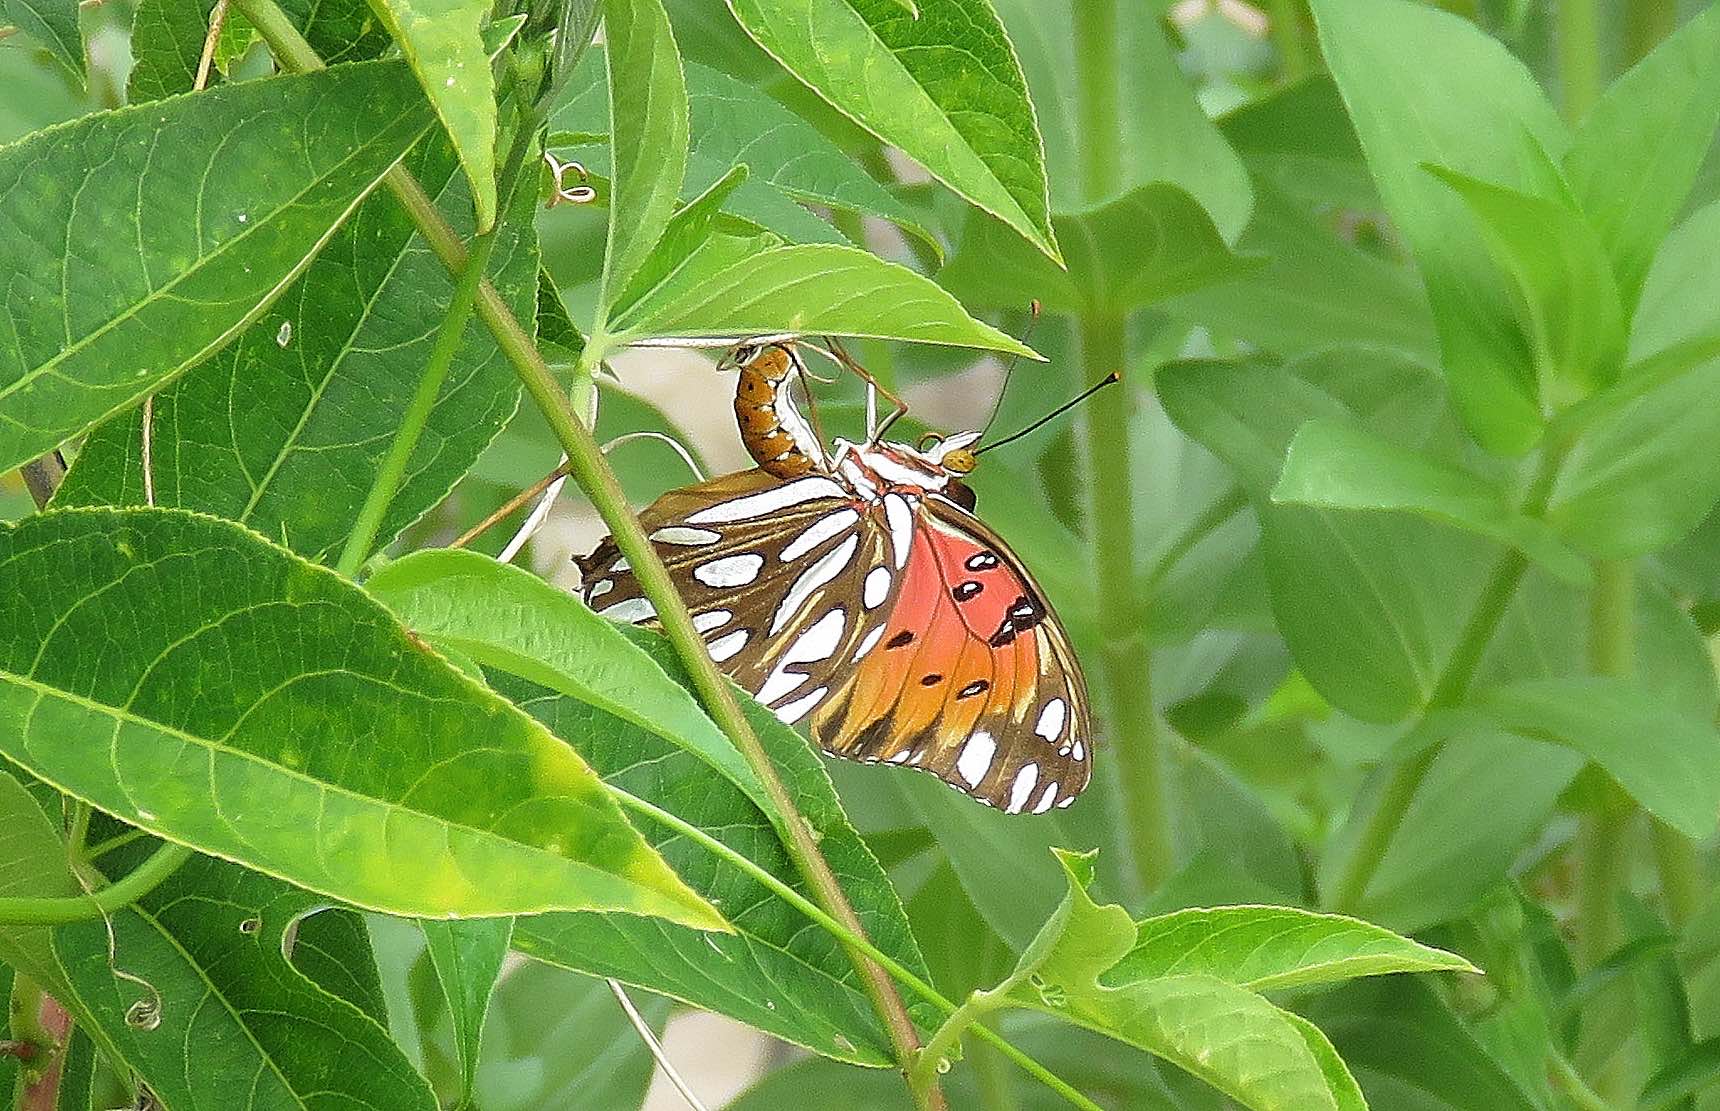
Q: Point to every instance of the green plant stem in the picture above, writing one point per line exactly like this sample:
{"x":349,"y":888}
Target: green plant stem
{"x":1571,"y":1085}
{"x":1602,"y":837}
{"x":1381,"y":825}
{"x":1285,"y":24}
{"x":852,"y":938}
{"x":133,"y":886}
{"x":1682,"y":887}
{"x":592,"y":473}
{"x":1579,"y":56}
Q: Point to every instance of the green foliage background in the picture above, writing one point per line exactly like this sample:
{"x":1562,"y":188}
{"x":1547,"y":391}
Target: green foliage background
{"x":1392,"y":563}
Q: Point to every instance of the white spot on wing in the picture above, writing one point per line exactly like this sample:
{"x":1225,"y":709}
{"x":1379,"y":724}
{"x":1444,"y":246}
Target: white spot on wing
{"x":1051,"y":719}
{"x":1047,"y":799}
{"x":869,"y":643}
{"x":1022,"y":788}
{"x":975,"y":758}
{"x":599,"y":589}
{"x":735,"y":570}
{"x":724,"y":647}
{"x":1080,"y":751}
{"x":630,"y":611}
{"x":818,"y":532}
{"x":681,"y":534}
{"x":900,"y":757}
{"x":828,"y":567}
{"x":901,"y":520}
{"x":877,"y":587}
{"x":816,"y":643}
{"x":794,"y":711}
{"x":715,"y":619}
{"x":1066,"y":800}
{"x":765,"y":502}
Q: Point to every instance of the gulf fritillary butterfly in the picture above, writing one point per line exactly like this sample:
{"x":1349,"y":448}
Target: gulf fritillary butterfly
{"x":855,"y":585}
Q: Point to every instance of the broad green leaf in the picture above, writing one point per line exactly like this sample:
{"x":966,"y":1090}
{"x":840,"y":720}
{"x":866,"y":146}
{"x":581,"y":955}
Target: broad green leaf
{"x":945,"y":87}
{"x":442,"y":43}
{"x":54,"y":25}
{"x":1644,"y":475}
{"x":327,"y":375}
{"x":648,"y":102}
{"x":1154,"y":242}
{"x":120,"y":282}
{"x":1487,"y":794}
{"x":33,"y":864}
{"x":1338,"y":466}
{"x":216,"y":942}
{"x":468,"y":956}
{"x":1668,"y":762}
{"x":234,"y":678}
{"x":1228,"y":1036}
{"x":791,"y":162}
{"x":1346,"y":1093}
{"x":1272,"y":948}
{"x":777,"y":972}
{"x":1477,"y":112}
{"x":506,"y":618}
{"x":1697,"y":1072}
{"x":1636,"y":155}
{"x":1567,"y":302}
{"x":1410,"y":1051}
{"x":818,"y":289}
{"x":1675,"y":306}
{"x":687,"y":231}
{"x":283,"y":429}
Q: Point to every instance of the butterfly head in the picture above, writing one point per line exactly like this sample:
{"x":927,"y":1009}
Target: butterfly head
{"x":772,"y":360}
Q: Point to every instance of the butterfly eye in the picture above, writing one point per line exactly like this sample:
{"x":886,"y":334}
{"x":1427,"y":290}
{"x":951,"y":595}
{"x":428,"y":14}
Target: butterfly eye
{"x":959,"y":460}
{"x":741,"y":355}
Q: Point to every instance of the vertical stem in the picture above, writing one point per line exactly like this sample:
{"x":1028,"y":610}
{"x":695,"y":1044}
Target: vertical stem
{"x":1579,"y":56}
{"x":1285,"y":24}
{"x":1124,"y":668}
{"x":1682,"y":887}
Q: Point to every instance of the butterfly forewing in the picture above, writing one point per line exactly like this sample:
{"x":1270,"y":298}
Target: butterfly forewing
{"x":786,"y":581}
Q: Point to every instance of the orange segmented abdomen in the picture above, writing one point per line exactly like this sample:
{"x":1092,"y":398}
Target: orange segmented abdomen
{"x":766,"y":416}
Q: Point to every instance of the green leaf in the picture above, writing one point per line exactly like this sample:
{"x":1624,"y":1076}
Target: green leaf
{"x":507,"y":618}
{"x":325,"y":378}
{"x":53,"y":24}
{"x":1338,"y":466}
{"x":1228,"y":1036}
{"x":1675,"y":306}
{"x":442,"y":43}
{"x":1477,"y":112}
{"x":791,"y":162}
{"x":687,"y":231}
{"x":1272,"y":948}
{"x":777,"y":972}
{"x":1696,"y":1073}
{"x":1487,"y":794}
{"x":235,"y":679}
{"x":123,"y":281}
{"x":1568,"y":305}
{"x":648,"y":102}
{"x":1669,"y":763}
{"x":945,"y":87}
{"x":1644,"y":473}
{"x":167,"y":39}
{"x":817,"y":289}
{"x":467,"y":956}
{"x":1346,"y":1093}
{"x":33,"y":864}
{"x":215,"y":941}
{"x":1154,"y":242}
{"x":1638,"y":152}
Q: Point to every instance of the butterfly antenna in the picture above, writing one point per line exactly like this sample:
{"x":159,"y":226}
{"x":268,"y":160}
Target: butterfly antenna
{"x":1055,"y":413}
{"x":1009,"y":368}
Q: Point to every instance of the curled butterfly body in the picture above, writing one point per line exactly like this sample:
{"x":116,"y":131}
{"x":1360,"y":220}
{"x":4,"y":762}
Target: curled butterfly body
{"x":862,"y":596}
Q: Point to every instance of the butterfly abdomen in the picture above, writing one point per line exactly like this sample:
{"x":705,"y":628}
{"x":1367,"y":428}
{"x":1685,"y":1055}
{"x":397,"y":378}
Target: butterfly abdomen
{"x":766,"y":415}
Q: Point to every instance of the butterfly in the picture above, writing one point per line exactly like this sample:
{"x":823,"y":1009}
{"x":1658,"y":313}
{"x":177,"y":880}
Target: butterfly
{"x":855,"y":586}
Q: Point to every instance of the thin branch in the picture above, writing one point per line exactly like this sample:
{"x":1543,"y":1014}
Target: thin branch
{"x":217,"y":19}
{"x":140,"y":881}
{"x":510,"y":506}
{"x":649,"y":1037}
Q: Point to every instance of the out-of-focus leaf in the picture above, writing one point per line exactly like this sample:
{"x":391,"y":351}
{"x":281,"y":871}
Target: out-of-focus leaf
{"x":1676,"y":305}
{"x":229,"y":678}
{"x":1155,"y":242}
{"x":1668,"y":762}
{"x":1478,"y":112}
{"x":1638,"y":152}
{"x":122,"y":282}
{"x":441,"y":41}
{"x":1567,"y":302}
{"x":1271,"y":948}
{"x":944,"y":86}
{"x":1226,"y":1035}
{"x":282,"y":430}
{"x":1338,"y":466}
{"x":53,"y":24}
{"x":506,"y":618}
{"x":467,"y":956}
{"x":819,"y":289}
{"x":648,"y":94}
{"x":1696,"y":1073}
{"x":1161,"y":134}
{"x":777,"y":972}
